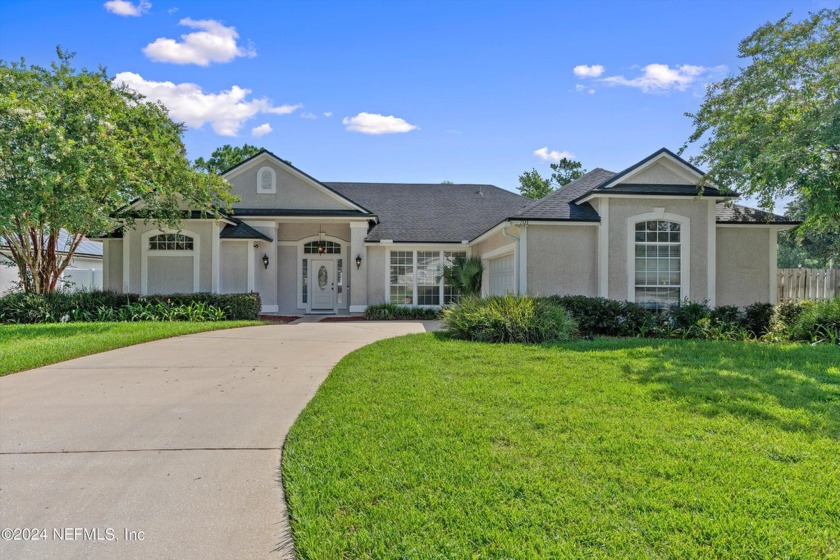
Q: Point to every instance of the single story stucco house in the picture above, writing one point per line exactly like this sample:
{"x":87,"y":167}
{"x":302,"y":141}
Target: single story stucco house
{"x":645,"y":234}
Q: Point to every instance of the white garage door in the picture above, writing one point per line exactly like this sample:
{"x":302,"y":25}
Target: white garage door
{"x":502,"y":275}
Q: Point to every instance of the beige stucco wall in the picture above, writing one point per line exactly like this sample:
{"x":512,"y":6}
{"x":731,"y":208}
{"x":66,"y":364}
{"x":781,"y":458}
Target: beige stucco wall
{"x":743,"y":265}
{"x":376,"y":259}
{"x":296,"y":231}
{"x":203,"y":230}
{"x":292,"y":192}
{"x":234,"y":263}
{"x":170,"y":275}
{"x":661,"y":173}
{"x":112,"y":257}
{"x":494,"y":242}
{"x":562,"y":260}
{"x":697,"y":212}
{"x":287,"y":256}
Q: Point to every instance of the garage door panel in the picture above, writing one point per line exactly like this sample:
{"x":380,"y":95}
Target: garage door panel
{"x":502,"y":275}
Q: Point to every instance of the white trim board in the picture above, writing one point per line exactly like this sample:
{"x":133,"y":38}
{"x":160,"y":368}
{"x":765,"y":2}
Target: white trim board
{"x":144,"y":256}
{"x":685,"y":249}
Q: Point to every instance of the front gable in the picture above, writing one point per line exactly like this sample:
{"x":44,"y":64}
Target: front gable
{"x":660,"y":168}
{"x":265,"y":182}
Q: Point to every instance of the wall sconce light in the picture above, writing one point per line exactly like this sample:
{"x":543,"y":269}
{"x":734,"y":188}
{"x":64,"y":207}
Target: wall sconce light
{"x":358,"y":262}
{"x":265,"y":261}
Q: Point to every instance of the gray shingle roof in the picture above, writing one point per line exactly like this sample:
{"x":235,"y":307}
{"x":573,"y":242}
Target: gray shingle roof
{"x":737,"y":214}
{"x":559,"y":206}
{"x":432,"y":213}
{"x":242,"y":231}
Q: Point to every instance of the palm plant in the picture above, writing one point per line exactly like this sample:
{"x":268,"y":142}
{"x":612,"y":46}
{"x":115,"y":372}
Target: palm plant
{"x":464,"y":275}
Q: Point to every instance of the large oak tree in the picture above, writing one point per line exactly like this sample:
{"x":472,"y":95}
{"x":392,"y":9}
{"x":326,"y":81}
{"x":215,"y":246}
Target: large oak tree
{"x":75,"y":150}
{"x":773,"y":130}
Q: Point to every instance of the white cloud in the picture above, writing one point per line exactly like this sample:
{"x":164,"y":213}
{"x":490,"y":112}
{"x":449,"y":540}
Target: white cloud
{"x":553,"y":155}
{"x":126,"y":8}
{"x":328,"y":114}
{"x":212,"y":43}
{"x":373,"y":123}
{"x":310,"y":116}
{"x":584,"y":71}
{"x":581,"y":88}
{"x":226,"y":111}
{"x":453,"y":131}
{"x":657,"y":78}
{"x":261,"y":130}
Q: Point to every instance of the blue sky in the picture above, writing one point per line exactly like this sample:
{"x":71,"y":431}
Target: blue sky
{"x":475,"y":89}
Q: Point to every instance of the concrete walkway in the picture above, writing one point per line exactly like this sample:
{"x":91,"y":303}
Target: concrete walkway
{"x":168,"y":449}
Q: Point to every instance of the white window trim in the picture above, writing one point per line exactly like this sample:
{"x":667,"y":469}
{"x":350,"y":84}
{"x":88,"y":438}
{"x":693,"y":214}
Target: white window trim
{"x":273,"y":188}
{"x":685,"y":249}
{"x":144,"y":252}
{"x":414,"y":250}
{"x":307,"y":307}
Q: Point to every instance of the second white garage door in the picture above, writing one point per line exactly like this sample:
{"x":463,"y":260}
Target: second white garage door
{"x":502,"y":275}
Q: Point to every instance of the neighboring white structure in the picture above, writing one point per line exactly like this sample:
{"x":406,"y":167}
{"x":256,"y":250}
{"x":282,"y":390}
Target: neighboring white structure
{"x":84,"y":272}
{"x":644,"y":234}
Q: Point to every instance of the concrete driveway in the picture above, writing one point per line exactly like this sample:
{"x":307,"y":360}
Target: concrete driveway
{"x":168,"y":449}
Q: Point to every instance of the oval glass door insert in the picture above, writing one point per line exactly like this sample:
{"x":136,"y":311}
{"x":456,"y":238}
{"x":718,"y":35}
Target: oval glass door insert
{"x":322,"y":277}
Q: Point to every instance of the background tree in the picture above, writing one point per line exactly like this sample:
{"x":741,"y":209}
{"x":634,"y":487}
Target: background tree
{"x":565,"y":171}
{"x":817,"y":247}
{"x":227,"y":156}
{"x":773,"y":130}
{"x":74,"y":150}
{"x":535,"y":186}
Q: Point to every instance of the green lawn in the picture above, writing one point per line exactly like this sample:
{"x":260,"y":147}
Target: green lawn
{"x":28,"y":346}
{"x":422,"y":447}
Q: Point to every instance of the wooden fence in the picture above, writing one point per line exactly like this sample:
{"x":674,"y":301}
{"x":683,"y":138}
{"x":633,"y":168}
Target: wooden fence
{"x":796,"y":284}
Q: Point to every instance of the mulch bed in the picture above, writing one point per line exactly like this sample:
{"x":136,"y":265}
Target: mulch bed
{"x":278,"y":318}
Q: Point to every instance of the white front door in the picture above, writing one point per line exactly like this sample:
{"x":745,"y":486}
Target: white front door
{"x":323,"y":284}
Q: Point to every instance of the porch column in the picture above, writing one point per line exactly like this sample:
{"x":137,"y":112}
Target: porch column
{"x":358,"y":277}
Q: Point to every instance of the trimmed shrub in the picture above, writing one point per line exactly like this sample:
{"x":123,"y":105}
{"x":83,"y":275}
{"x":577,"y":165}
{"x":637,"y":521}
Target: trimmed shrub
{"x":688,"y":314}
{"x":110,"y":306}
{"x":786,"y":314}
{"x":818,"y":321}
{"x":730,"y":314}
{"x":393,"y":312}
{"x":598,"y":316}
{"x":509,"y":318}
{"x":758,"y":317}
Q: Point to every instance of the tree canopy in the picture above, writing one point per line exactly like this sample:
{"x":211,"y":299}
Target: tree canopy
{"x":227,"y":156}
{"x":817,"y":247}
{"x":773,"y":129}
{"x":75,"y":150}
{"x":535,"y":186}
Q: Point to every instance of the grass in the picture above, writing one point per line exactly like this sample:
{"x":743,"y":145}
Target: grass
{"x":423,"y":447}
{"x":29,"y":346}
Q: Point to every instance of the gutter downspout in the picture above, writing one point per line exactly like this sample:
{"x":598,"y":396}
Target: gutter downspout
{"x":516,"y":269}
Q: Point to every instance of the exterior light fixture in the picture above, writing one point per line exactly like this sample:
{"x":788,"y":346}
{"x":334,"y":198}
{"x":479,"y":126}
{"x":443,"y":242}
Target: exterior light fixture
{"x":265,"y":261}
{"x":358,"y":262}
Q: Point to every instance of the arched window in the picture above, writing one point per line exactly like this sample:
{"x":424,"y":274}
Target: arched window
{"x":266,"y":181}
{"x":171,"y":242}
{"x":322,"y":248}
{"x":658,"y":263}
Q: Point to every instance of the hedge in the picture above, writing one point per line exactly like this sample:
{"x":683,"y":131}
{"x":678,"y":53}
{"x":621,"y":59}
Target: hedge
{"x":93,"y":305}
